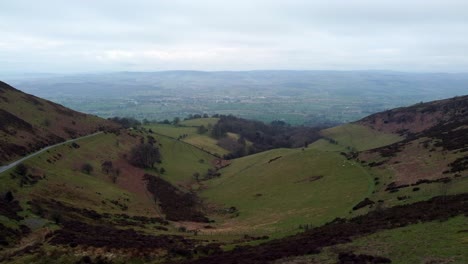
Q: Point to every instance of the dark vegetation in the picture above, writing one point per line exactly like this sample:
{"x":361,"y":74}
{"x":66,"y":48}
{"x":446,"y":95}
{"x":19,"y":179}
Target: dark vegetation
{"x":107,"y":167}
{"x":9,"y":208}
{"x":144,"y":155}
{"x":49,"y":208}
{"x":87,"y":168}
{"x":363,"y":204}
{"x":76,"y":233}
{"x":393,"y":187}
{"x":9,"y":235}
{"x":342,"y":231}
{"x":24,"y":174}
{"x":446,"y":111}
{"x":351,"y":258}
{"x":459,"y":165}
{"x":126,"y":122}
{"x":277,"y":134}
{"x":176,"y":204}
{"x":10,"y":123}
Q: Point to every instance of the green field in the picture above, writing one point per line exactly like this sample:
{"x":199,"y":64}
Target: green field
{"x":432,"y":242}
{"x":206,"y":143}
{"x":172,"y":130}
{"x":359,"y":137}
{"x":189,"y":132}
{"x":301,"y":187}
{"x":200,"y":122}
{"x":182,"y":160}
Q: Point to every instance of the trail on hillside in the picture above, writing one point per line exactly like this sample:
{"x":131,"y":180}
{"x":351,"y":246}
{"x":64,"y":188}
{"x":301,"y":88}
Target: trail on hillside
{"x":13,"y":164}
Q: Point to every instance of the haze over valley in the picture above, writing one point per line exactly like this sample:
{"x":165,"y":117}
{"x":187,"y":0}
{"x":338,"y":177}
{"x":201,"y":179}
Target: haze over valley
{"x":297,"y":97}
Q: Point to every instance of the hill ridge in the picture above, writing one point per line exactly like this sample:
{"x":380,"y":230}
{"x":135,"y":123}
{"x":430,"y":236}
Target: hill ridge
{"x":29,"y":123}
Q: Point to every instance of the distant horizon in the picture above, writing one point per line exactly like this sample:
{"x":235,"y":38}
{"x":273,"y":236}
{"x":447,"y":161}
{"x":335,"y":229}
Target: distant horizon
{"x":7,"y":73}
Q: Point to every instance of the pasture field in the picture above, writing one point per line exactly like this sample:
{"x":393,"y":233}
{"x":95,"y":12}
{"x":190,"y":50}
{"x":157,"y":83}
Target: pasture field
{"x":200,"y":122}
{"x":188,"y":132}
{"x":358,"y":137}
{"x":278,"y":190}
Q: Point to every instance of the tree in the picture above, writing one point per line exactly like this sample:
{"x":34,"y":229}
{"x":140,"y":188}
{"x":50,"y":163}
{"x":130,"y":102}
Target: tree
{"x":87,"y":168}
{"x":21,"y":169}
{"x":196,"y":176}
{"x":106,"y":166}
{"x":151,"y":140}
{"x":115,"y":174}
{"x":9,"y":197}
{"x":162,"y":170}
{"x":176,"y":121}
{"x":241,"y":140}
{"x":126,"y":122}
{"x":144,"y":155}
{"x":202,"y":129}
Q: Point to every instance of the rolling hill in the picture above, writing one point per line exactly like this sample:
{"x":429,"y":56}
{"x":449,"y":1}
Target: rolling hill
{"x":390,"y":187}
{"x":29,"y":123}
{"x":416,"y":210}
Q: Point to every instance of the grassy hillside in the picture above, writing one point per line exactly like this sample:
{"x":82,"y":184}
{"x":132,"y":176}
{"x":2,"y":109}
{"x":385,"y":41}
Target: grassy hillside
{"x":182,"y":160}
{"x":432,"y":242}
{"x":56,"y":195}
{"x":418,"y":117}
{"x":361,"y":192}
{"x":278,"y":190}
{"x":28,"y":123}
{"x":188,"y":132}
{"x":430,"y":160}
{"x":359,"y":137}
{"x":58,"y":175}
{"x":200,"y":122}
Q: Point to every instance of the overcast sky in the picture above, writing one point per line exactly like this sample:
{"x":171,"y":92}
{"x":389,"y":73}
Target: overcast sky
{"x":153,"y":35}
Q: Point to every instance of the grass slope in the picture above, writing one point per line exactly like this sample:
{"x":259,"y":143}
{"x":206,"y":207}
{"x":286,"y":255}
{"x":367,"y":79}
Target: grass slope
{"x":28,"y":123}
{"x":200,"y":122}
{"x":432,"y":242}
{"x":189,"y":133}
{"x":182,"y":160}
{"x":359,"y":137}
{"x":63,"y":179}
{"x":300,"y":187}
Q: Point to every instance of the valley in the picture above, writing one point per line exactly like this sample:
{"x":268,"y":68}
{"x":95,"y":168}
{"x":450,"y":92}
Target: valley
{"x":222,"y":189}
{"x":310,"y":98}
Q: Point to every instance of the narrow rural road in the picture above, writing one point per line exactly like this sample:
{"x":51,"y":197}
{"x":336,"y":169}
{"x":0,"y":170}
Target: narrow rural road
{"x":13,"y":164}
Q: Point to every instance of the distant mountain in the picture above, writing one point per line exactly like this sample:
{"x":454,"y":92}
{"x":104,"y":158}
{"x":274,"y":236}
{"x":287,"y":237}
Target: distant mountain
{"x":29,"y":123}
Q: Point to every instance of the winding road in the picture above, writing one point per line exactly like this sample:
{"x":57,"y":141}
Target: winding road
{"x":13,"y":164}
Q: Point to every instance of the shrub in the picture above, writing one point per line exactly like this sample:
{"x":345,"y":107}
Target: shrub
{"x":87,"y":168}
{"x":21,"y":169}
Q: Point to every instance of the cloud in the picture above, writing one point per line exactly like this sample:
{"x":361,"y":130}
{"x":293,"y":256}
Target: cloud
{"x":410,"y":35}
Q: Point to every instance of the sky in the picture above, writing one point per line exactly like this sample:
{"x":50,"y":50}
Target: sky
{"x":153,"y":35}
